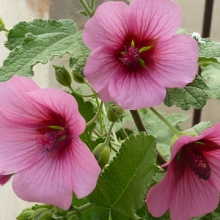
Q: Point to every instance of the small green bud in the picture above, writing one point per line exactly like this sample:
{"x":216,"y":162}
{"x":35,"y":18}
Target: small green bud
{"x":115,"y":113}
{"x":62,"y":75}
{"x":77,"y":77}
{"x":25,"y":214}
{"x":102,"y":154}
{"x":2,"y":24}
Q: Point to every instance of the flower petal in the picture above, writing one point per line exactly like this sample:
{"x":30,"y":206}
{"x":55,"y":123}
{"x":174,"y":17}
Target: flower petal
{"x":18,"y":149}
{"x":132,"y":91}
{"x":51,"y":100}
{"x":163,"y":191}
{"x":4,"y":179}
{"x":100,"y":68}
{"x":53,"y":178}
{"x":153,"y":19}
{"x":172,"y":67}
{"x":192,"y":197}
{"x":13,"y":95}
{"x":108,"y":26}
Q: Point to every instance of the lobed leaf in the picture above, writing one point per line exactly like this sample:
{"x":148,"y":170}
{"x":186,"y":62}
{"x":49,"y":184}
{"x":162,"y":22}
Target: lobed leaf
{"x":122,"y":187}
{"x":209,"y":51}
{"x":211,"y":74}
{"x":38,"y":27}
{"x":41,"y":48}
{"x":194,"y":95}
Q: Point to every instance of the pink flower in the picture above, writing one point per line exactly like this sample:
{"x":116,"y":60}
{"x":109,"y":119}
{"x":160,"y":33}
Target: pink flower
{"x":136,"y":54}
{"x":4,"y":179}
{"x":40,"y":143}
{"x":192,"y":183}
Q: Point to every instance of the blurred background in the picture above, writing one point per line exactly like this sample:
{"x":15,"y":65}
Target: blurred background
{"x":15,"y":11}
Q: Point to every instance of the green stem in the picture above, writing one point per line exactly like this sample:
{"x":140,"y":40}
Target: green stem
{"x":93,"y":5}
{"x":5,"y":29}
{"x":108,"y":134}
{"x":100,"y":118}
{"x":124,"y":133}
{"x":82,"y":208}
{"x":115,"y":143}
{"x":172,"y":128}
{"x":95,"y":116}
{"x":74,"y":92}
{"x":86,"y":7}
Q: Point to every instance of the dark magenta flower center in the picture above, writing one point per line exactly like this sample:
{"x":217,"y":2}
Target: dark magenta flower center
{"x":193,"y":156}
{"x":52,"y":140}
{"x":199,"y":165}
{"x":130,"y":56}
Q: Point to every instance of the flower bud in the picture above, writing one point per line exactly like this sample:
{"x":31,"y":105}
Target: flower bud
{"x":25,"y":214}
{"x":102,"y":154}
{"x":114,"y":113}
{"x":78,"y":78}
{"x":2,"y":24}
{"x":62,"y":75}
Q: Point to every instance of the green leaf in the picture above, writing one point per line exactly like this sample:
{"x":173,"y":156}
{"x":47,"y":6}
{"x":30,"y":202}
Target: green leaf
{"x":78,"y":60}
{"x":211,"y":74}
{"x":194,"y":95}
{"x":209,"y":51}
{"x":199,"y":128}
{"x":40,"y":49}
{"x":38,"y":27}
{"x":123,"y":185}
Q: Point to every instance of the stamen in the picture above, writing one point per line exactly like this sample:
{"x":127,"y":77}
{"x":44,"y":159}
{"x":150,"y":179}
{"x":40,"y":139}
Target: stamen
{"x":130,"y":56}
{"x":51,"y":141}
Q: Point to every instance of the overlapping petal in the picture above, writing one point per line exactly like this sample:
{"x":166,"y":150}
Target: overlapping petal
{"x":154,"y":19}
{"x":40,"y":143}
{"x":182,"y":191}
{"x":76,"y":170}
{"x":118,"y":32}
{"x":108,"y":27}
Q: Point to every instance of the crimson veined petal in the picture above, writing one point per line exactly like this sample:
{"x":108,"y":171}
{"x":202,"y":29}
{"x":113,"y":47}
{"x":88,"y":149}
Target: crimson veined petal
{"x":138,"y":41}
{"x":40,"y":144}
{"x":154,"y":18}
{"x":193,"y":175}
{"x":59,"y":174}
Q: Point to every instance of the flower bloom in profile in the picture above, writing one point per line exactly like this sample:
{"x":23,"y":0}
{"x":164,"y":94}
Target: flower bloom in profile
{"x":4,"y":179}
{"x":136,"y":53}
{"x":192,"y":183}
{"x":40,"y":143}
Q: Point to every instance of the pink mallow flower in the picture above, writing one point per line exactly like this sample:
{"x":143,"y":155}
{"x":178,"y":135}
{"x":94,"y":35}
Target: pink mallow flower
{"x":192,"y":183}
{"x":136,"y":53}
{"x":40,"y":143}
{"x":4,"y":179}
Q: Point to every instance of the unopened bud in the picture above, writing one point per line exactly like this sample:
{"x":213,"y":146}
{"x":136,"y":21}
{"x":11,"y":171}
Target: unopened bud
{"x":2,"y":24}
{"x":115,"y":113}
{"x":62,"y":75}
{"x":102,"y":154}
{"x":26,"y":213}
{"x":78,"y":78}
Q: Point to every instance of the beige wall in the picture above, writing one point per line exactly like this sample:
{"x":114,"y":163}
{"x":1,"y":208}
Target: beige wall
{"x":14,"y":11}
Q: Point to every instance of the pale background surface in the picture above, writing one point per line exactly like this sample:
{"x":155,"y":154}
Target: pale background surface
{"x":14,"y":11}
